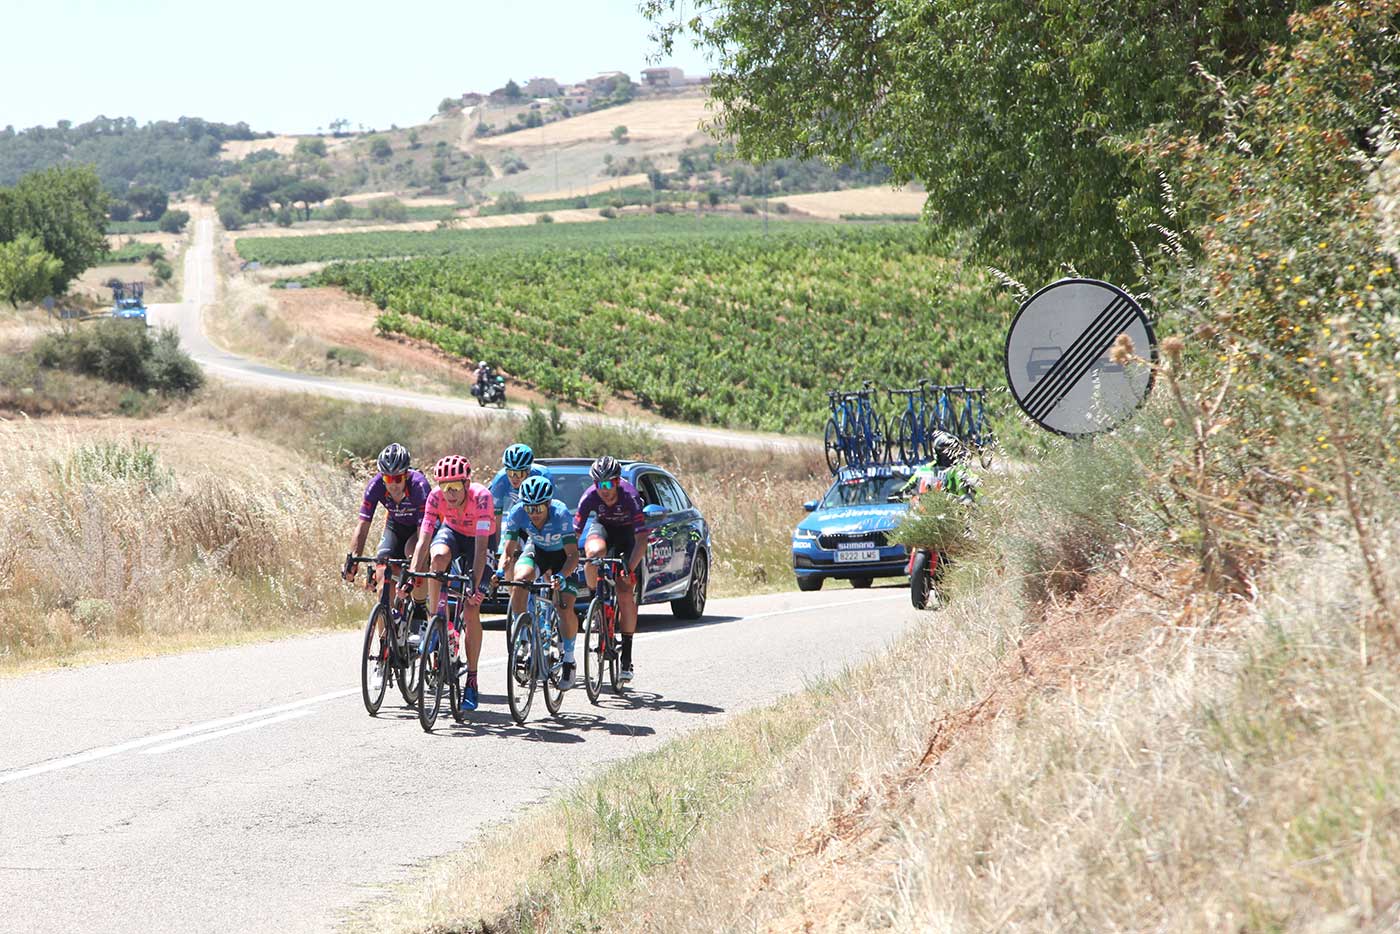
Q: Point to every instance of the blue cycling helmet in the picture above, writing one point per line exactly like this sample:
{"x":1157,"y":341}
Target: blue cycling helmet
{"x":536,"y":490}
{"x":518,"y":457}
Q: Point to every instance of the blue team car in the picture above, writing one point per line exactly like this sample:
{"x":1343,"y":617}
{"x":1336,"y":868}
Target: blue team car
{"x":846,"y":537}
{"x":676,"y":566}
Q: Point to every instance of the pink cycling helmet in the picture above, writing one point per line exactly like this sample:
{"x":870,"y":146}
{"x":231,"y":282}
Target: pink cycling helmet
{"x":452,"y":467}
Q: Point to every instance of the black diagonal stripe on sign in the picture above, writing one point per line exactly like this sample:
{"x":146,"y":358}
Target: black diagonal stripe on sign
{"x":1088,"y":354}
{"x":1106,"y":336}
{"x":1070,"y":359}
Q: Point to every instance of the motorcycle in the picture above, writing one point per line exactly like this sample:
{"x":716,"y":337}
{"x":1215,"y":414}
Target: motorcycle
{"x":925,"y":569}
{"x":491,"y":392}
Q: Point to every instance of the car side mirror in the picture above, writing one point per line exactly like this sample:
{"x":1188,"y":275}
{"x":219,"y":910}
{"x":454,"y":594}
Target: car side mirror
{"x":653,"y":512}
{"x":810,"y":505}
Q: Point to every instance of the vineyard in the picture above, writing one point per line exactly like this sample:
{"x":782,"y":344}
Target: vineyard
{"x":383,"y":244}
{"x":743,"y":331}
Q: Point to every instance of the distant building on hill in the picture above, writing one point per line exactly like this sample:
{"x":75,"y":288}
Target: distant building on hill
{"x":663,"y":77}
{"x":472,"y":98}
{"x":576,"y":96}
{"x":606,"y":79}
{"x":541,"y":87}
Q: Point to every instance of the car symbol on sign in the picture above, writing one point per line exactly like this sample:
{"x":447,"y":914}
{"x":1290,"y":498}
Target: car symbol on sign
{"x":1041,"y":360}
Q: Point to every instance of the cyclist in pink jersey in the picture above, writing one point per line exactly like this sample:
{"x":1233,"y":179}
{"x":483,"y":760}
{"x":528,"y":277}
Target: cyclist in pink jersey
{"x":458,"y":520}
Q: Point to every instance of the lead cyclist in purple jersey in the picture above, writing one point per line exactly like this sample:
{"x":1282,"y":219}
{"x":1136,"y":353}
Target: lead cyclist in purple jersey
{"x":403,"y":492}
{"x":616,"y":531}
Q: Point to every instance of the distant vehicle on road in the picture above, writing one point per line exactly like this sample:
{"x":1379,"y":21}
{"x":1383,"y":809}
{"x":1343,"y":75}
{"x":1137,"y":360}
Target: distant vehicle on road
{"x":127,"y":301}
{"x":847,"y":535}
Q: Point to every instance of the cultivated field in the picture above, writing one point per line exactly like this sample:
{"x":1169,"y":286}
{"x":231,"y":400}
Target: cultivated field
{"x":236,"y":149}
{"x":832,"y":205}
{"x":668,"y":118}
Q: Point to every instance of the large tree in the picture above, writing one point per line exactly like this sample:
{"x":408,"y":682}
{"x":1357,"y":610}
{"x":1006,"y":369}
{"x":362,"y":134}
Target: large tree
{"x":1011,"y":114}
{"x":65,"y":208}
{"x":27,"y":272}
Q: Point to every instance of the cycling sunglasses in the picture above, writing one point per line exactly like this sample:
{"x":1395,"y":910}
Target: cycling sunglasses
{"x":455,"y":486}
{"x":395,"y":477}
{"x":607,"y":484}
{"x":518,"y":474}
{"x":538,"y":508}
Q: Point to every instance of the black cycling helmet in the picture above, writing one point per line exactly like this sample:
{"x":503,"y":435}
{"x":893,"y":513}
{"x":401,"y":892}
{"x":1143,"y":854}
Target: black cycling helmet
{"x":394,"y":459}
{"x":604,"y":468}
{"x":947,"y":449}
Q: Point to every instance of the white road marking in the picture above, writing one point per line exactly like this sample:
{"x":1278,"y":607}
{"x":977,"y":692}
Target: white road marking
{"x":181,"y":744}
{"x":286,"y":710}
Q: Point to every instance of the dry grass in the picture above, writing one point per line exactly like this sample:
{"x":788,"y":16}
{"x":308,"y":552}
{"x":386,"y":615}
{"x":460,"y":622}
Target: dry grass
{"x":111,"y":545}
{"x":236,"y":149}
{"x":830,"y":205}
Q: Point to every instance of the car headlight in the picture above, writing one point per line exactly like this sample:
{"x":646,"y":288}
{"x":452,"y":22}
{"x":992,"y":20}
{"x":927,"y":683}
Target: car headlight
{"x":804,"y":535}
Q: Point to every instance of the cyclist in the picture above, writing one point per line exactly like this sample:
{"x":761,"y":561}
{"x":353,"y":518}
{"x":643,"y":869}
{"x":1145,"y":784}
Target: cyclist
{"x":457,"y":522}
{"x":947,"y":452}
{"x":402,"y":492}
{"x":552,"y":550}
{"x":614,"y":533}
{"x":517,"y":465}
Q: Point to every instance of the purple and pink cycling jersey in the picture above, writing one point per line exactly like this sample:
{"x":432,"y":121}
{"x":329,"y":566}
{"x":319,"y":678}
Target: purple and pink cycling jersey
{"x":625,"y":513}
{"x":476,"y":515}
{"x":405,"y":512}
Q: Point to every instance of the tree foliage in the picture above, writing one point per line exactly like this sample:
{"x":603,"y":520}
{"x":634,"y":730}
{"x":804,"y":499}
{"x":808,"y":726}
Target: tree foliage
{"x":27,"y":272}
{"x":174,"y":221}
{"x":65,"y":209}
{"x":1010,"y":114}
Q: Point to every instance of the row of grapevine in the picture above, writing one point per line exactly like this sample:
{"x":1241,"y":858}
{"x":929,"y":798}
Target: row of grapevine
{"x":740,"y":331}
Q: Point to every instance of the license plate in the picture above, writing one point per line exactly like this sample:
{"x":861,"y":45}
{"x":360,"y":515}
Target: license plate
{"x":869,"y":554}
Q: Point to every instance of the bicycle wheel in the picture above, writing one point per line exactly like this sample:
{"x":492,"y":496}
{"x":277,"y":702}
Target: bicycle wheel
{"x":406,"y":672}
{"x":831,"y":441}
{"x":615,"y":656}
{"x":520,"y":667}
{"x":456,"y":673}
{"x":907,"y":438}
{"x":593,"y":646}
{"x":375,"y":653}
{"x":879,"y":439}
{"x":432,"y":674}
{"x":552,"y":661}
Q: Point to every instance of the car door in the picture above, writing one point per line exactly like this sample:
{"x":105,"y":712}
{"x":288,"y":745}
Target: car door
{"x":684,"y":529}
{"x":657,"y":559}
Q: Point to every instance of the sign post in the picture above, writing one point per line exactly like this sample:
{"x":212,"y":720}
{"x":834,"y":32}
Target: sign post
{"x":1057,"y":363}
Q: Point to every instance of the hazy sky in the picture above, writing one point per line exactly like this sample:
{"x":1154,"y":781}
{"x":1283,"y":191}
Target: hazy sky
{"x":291,"y":66}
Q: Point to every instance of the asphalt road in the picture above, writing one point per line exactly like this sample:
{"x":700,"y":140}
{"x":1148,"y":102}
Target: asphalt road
{"x":201,"y":290}
{"x":246,"y":789}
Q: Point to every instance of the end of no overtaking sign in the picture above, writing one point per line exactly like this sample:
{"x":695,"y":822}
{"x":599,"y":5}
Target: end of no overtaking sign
{"x":1057,"y":357}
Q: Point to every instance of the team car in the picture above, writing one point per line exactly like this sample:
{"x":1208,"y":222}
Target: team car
{"x":846,"y":537}
{"x":676,"y":566}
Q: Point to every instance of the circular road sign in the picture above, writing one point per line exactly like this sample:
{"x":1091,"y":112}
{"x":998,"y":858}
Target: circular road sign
{"x":1057,"y":361}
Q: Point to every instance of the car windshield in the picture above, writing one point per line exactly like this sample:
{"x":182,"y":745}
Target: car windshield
{"x":569,"y":487}
{"x":862,"y":491}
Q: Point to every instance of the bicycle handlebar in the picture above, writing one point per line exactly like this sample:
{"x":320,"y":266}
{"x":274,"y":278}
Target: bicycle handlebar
{"x":445,"y":577}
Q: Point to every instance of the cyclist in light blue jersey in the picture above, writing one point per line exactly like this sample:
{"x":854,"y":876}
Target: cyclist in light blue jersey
{"x":552,"y":549}
{"x":517,"y":465}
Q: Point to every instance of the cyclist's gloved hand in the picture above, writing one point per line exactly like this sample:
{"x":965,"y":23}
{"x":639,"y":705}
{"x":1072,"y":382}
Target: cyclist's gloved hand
{"x":406,"y":587}
{"x":500,"y":574}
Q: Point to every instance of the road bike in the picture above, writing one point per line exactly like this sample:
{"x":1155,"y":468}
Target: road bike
{"x":856,"y":435}
{"x":601,"y":646}
{"x":536,"y":656}
{"x":839,"y":437}
{"x":873,"y":437}
{"x":387,"y":654}
{"x":442,"y":656}
{"x":911,"y":436}
{"x":973,"y":428}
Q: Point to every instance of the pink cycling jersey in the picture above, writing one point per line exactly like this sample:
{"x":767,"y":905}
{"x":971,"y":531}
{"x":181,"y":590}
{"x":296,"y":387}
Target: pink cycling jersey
{"x":476,"y":515}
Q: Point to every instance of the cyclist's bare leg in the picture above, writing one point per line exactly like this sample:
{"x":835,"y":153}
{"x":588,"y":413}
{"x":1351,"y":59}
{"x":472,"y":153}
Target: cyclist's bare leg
{"x":523,"y":573}
{"x":473,"y":617}
{"x":595,"y":547}
{"x":627,"y":606}
{"x":441,"y":558}
{"x":568,"y":619}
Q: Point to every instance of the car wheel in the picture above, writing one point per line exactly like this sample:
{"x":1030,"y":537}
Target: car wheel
{"x":860,"y":583}
{"x":692,"y":605}
{"x":809,"y":583}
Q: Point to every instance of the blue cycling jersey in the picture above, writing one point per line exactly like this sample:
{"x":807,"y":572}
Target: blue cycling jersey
{"x":505,"y":495}
{"x":557,"y":532}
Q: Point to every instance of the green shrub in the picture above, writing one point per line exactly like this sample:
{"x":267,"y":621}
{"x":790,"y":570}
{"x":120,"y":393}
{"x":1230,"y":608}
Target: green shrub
{"x":123,"y":352}
{"x":609,"y":213}
{"x":543,"y":433}
{"x":366,"y":433}
{"x":940,"y":522}
{"x":347,"y":356}
{"x":174,"y":221}
{"x":341,"y":209}
{"x":109,"y":461}
{"x":544,"y":219}
{"x":162,"y":270}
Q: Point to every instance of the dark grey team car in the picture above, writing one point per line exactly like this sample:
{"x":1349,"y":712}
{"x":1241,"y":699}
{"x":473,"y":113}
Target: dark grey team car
{"x":676,"y":567}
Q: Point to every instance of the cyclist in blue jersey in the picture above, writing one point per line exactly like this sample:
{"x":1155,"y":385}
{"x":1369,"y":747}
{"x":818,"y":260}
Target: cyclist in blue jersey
{"x":552,"y":549}
{"x":616,"y":530}
{"x":517,"y":465}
